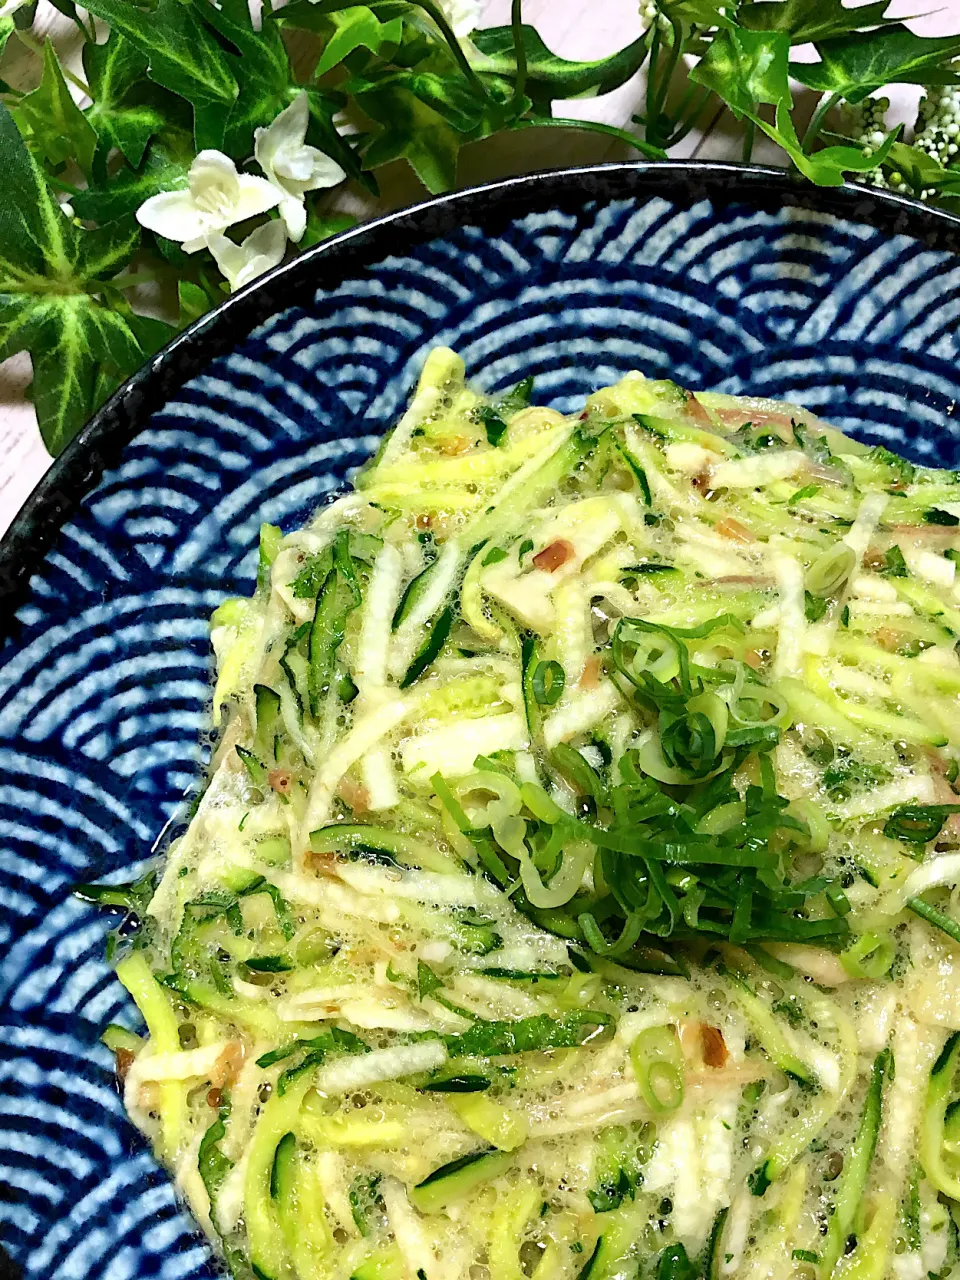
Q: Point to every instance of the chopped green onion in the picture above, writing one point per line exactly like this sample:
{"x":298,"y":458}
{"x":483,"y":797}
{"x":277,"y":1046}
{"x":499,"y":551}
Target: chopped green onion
{"x":540,"y":804}
{"x":657,"y":1061}
{"x":829,"y":571}
{"x":870,"y":956}
{"x":573,"y":765}
{"x":838,"y":899}
{"x":450,"y":802}
{"x":918,"y":823}
{"x":937,"y":918}
{"x":548,"y":682}
{"x":457,"y":1084}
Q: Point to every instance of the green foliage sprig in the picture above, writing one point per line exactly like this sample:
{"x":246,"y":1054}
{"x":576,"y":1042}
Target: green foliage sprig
{"x":193,"y":120}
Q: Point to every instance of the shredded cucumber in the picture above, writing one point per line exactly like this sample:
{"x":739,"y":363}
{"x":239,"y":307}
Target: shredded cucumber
{"x":581,"y":841}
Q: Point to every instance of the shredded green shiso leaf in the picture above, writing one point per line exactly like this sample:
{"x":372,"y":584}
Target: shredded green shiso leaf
{"x":569,"y":896}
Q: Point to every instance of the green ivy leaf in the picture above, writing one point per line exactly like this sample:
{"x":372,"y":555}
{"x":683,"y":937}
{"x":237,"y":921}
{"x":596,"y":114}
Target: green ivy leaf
{"x":77,"y":338}
{"x":450,"y":96}
{"x":920,"y":170}
{"x":310,"y":15}
{"x":66,"y":7}
{"x":854,"y":66}
{"x":829,"y":166}
{"x":193,"y":302}
{"x":260,"y":66}
{"x":125,"y":111}
{"x":7,"y":28}
{"x":323,"y":133}
{"x":411,"y":131}
{"x":700,"y":13}
{"x":322,"y":225}
{"x":748,"y":69}
{"x":51,"y":286}
{"x":58,"y":128}
{"x":24,"y":14}
{"x":549,"y":76}
{"x":355,"y":28}
{"x":182,"y":55}
{"x":809,"y":20}
{"x":164,"y":168}
{"x":151,"y":333}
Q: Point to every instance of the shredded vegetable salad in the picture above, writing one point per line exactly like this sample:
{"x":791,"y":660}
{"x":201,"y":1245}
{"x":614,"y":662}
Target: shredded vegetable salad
{"x":573,"y":893}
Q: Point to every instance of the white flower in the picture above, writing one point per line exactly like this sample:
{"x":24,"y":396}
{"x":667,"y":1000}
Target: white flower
{"x":10,"y":7}
{"x":463,"y":15}
{"x":216,"y":197}
{"x":262,"y":250}
{"x":293,"y":167}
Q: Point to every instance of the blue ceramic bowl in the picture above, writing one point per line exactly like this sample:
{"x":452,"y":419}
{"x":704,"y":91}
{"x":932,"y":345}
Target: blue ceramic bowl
{"x":716,"y":275}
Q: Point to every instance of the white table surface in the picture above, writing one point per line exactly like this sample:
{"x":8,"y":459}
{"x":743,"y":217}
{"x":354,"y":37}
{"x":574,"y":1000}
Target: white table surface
{"x":573,"y":28}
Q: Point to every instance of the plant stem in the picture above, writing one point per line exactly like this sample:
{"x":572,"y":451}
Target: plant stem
{"x":663,"y":88}
{"x":749,"y":134}
{"x":28,"y":42}
{"x":591,"y":126}
{"x":709,"y":129}
{"x":36,"y":47}
{"x":131,"y":281}
{"x":691,"y":119}
{"x":436,"y":13}
{"x":651,"y":77}
{"x":519,"y":50}
{"x":827,"y":102}
{"x":89,"y":35}
{"x":684,"y":102}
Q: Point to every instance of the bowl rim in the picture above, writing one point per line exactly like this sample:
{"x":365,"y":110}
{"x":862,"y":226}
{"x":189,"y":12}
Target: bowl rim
{"x":98,"y":445}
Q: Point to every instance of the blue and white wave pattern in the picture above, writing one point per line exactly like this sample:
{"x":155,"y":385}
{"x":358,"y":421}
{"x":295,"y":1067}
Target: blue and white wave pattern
{"x":104,"y":690}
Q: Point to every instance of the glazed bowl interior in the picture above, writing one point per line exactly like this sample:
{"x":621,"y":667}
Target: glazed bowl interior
{"x":717,"y":276}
